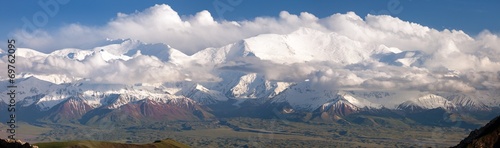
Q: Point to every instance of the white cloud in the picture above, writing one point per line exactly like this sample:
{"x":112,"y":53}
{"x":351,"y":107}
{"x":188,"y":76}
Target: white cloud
{"x":139,"y":69}
{"x":161,"y":24}
{"x":475,"y":59}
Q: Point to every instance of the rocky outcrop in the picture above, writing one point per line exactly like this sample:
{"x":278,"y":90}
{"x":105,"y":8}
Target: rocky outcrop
{"x":485,"y":137}
{"x":15,"y":144}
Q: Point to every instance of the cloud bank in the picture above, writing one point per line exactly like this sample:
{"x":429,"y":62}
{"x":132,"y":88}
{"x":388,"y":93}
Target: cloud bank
{"x":423,"y":58}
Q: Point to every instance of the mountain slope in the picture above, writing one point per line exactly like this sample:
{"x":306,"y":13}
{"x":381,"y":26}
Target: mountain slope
{"x":15,"y":144}
{"x":467,"y":102}
{"x":303,"y":96}
{"x":486,"y":136}
{"x":291,"y":48}
{"x":196,"y":92}
{"x":237,"y":85}
{"x":70,"y":109}
{"x":320,"y":47}
{"x":429,"y":101}
{"x":148,"y":110}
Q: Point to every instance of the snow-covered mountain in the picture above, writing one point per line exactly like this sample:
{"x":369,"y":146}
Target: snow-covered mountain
{"x":345,"y":104}
{"x":91,"y":92}
{"x":304,"y":97}
{"x":470,"y":102}
{"x":429,"y":101}
{"x":303,"y":45}
{"x":197,"y":92}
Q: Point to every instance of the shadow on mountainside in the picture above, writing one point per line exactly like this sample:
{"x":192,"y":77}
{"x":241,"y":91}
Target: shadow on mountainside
{"x":486,"y":136}
{"x":8,"y":143}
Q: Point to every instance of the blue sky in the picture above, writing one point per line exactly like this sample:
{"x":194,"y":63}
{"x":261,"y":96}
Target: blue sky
{"x":470,"y":16}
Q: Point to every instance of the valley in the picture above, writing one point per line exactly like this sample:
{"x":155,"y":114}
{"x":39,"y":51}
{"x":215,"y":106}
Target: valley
{"x":253,"y":132}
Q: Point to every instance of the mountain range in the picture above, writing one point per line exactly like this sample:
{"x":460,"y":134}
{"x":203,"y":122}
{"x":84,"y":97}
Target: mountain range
{"x":266,"y":76}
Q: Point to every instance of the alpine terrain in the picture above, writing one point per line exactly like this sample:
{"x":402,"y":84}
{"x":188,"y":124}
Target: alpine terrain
{"x":301,"y":80}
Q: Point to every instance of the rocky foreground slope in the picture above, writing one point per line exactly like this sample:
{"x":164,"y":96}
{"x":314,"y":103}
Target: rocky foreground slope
{"x":15,"y":144}
{"x":486,"y":136}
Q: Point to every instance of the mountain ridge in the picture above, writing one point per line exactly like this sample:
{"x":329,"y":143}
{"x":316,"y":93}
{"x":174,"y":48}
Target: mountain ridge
{"x":318,"y":58}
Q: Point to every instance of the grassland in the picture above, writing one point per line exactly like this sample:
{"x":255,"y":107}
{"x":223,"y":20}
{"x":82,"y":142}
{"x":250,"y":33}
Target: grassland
{"x":26,"y":131}
{"x":168,"y":143}
{"x":252,"y":132}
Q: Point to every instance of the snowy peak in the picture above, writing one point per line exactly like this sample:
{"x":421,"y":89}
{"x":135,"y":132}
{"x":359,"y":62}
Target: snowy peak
{"x":107,"y":56}
{"x":120,"y":47}
{"x":128,"y":49}
{"x":30,"y":53}
{"x":383,"y":49}
{"x":306,"y":31}
{"x":70,"y":109}
{"x":118,"y":50}
{"x":251,"y":86}
{"x":300,"y":46}
{"x":304,"y":96}
{"x":307,"y":45}
{"x":339,"y":108}
{"x":429,"y":101}
{"x":401,"y":58}
{"x":161,"y":51}
{"x":44,"y":94}
{"x":466,"y":102}
{"x":203,"y":95}
{"x":57,"y":89}
{"x":357,"y":101}
{"x":114,"y":101}
{"x":72,"y":53}
{"x":345,"y":104}
{"x":53,"y":78}
{"x":176,"y":56}
{"x":221,"y":55}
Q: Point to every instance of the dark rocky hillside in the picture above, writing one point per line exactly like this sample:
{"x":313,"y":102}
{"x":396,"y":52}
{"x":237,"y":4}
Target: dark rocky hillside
{"x":8,"y":143}
{"x":485,"y":137}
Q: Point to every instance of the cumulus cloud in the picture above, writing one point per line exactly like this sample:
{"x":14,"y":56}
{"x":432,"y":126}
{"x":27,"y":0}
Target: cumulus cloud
{"x":162,"y":24}
{"x":95,"y":68}
{"x":433,"y":60}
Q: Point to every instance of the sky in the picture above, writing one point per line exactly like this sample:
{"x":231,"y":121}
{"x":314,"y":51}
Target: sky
{"x":467,"y":15}
{"x":418,"y":45}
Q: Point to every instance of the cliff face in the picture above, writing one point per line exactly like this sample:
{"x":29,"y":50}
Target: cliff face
{"x":15,"y":144}
{"x":485,"y":137}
